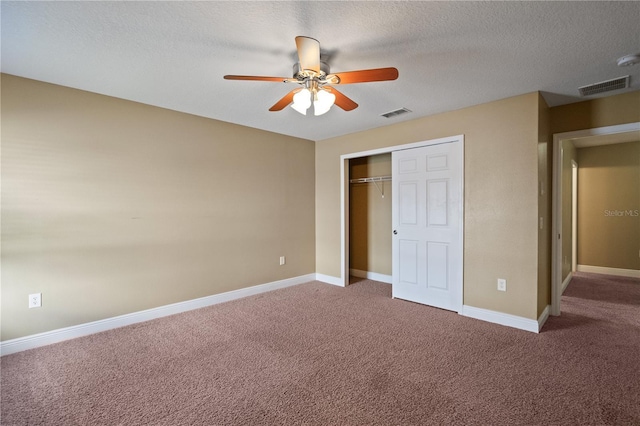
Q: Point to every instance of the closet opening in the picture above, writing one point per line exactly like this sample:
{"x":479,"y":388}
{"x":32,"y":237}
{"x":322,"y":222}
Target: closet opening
{"x":369,"y":227}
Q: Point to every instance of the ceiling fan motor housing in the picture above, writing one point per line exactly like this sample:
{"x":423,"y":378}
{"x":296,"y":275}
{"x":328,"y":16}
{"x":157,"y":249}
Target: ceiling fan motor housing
{"x":300,"y":75}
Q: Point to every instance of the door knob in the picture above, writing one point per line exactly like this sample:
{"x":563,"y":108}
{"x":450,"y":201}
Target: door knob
{"x":395,"y":232}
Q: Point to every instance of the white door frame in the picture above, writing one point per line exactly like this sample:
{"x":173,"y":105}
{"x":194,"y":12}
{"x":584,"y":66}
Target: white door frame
{"x":574,"y":216}
{"x":556,"y":235}
{"x":344,"y":193}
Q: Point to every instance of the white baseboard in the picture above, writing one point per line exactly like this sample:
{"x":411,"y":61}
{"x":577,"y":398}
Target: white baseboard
{"x":566,"y":282}
{"x":506,"y":319}
{"x":632,"y":273}
{"x":42,"y":339}
{"x":329,"y":279}
{"x":371,"y":276}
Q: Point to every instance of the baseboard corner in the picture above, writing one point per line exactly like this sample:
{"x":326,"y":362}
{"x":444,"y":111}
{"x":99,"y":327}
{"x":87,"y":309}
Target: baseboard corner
{"x":501,"y":318}
{"x":328,"y":279}
{"x":544,"y":316}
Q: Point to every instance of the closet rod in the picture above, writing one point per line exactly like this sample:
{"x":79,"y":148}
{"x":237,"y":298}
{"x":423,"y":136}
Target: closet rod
{"x":375,"y":181}
{"x":371,"y":179}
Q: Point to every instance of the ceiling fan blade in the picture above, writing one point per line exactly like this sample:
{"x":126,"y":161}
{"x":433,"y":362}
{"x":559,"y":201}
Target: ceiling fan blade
{"x":341,"y":100}
{"x":255,"y":78}
{"x":286,"y":100}
{"x":308,"y":53}
{"x":364,"y":76}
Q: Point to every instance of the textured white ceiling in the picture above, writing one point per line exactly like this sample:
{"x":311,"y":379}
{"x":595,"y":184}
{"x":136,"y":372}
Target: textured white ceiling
{"x":449,"y":54}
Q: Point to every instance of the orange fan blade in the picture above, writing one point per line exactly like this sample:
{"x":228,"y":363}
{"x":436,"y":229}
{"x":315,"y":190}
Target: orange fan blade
{"x":286,"y":100}
{"x":308,"y":53}
{"x":255,"y":78}
{"x":341,"y":100}
{"x":364,"y":76}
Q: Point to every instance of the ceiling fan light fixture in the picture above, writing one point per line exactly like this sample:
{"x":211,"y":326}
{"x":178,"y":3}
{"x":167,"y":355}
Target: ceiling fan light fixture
{"x":302,"y":101}
{"x":314,"y":76}
{"x":323,"y":100}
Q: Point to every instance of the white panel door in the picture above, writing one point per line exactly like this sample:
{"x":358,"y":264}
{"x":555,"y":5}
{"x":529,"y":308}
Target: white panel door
{"x":427,"y":225}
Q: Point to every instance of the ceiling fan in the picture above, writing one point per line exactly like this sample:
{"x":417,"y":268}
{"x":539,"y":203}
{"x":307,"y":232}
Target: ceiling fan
{"x":317,"y":82}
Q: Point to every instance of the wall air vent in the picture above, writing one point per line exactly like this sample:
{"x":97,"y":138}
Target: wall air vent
{"x":605,"y":86}
{"x":395,"y":112}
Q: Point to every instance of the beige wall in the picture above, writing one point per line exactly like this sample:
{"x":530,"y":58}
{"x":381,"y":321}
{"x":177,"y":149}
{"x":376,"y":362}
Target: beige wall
{"x":609,"y":206}
{"x":501,"y":203}
{"x":111,"y":207}
{"x":601,"y":112}
{"x":370,"y":216}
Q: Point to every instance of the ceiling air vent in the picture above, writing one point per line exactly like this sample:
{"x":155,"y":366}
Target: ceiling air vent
{"x":395,"y":112}
{"x":605,"y":86}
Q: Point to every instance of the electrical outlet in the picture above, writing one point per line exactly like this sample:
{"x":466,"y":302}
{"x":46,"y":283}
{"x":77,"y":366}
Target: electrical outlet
{"x":502,"y":284}
{"x":35,"y":300}
{"x":282,"y":260}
